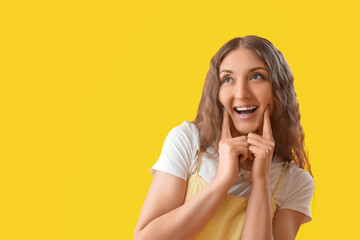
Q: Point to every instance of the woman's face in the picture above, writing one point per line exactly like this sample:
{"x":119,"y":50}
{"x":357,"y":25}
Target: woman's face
{"x":245,"y":90}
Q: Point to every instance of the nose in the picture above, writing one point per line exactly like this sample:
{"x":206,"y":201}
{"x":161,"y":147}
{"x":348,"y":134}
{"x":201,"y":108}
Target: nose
{"x":242,"y":90}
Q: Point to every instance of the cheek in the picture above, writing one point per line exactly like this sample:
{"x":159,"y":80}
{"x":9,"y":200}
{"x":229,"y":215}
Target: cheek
{"x":222,"y":97}
{"x":267,"y":98}
{"x":271,"y":101}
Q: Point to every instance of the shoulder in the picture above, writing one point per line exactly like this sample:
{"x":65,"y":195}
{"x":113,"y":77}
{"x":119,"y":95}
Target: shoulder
{"x":184,"y":137}
{"x":297,"y":188}
{"x":298,"y":176}
{"x":293,"y":175}
{"x":187,"y":130}
{"x":179,"y":151}
{"x":295,"y":179}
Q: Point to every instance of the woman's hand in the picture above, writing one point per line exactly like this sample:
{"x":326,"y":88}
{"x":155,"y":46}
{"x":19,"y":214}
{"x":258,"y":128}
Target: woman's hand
{"x":263,"y":148}
{"x":232,"y":151}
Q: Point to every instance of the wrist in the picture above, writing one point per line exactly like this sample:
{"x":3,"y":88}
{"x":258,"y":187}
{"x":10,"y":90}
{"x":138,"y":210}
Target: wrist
{"x":222,"y":186}
{"x":261,"y":184}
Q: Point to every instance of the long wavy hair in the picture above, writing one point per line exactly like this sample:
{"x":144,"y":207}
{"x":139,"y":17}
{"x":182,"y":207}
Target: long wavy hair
{"x":285,"y":120}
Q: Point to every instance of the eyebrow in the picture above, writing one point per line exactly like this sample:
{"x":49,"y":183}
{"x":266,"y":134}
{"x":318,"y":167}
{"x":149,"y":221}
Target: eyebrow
{"x":251,"y":70}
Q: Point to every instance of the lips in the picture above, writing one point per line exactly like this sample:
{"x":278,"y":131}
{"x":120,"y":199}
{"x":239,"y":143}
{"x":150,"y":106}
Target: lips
{"x":245,"y":112}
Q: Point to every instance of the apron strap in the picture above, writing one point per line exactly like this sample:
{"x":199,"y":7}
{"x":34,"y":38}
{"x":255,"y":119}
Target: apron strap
{"x":198,"y":162}
{"x":286,"y":164}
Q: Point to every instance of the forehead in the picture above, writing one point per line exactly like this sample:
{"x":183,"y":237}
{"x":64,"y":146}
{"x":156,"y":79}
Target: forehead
{"x":241,"y":59}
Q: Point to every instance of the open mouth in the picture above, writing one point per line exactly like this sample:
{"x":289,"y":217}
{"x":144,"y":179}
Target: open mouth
{"x":245,"y":112}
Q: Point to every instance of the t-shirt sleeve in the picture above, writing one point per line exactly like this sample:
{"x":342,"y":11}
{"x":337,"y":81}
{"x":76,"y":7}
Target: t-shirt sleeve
{"x":300,"y":194}
{"x":178,"y":152}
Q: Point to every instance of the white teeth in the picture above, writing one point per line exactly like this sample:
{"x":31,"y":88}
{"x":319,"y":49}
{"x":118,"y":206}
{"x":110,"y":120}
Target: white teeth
{"x":244,"y":108}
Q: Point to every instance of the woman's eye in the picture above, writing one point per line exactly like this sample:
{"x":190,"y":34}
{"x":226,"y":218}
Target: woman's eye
{"x":226,"y":79}
{"x":257,"y":76}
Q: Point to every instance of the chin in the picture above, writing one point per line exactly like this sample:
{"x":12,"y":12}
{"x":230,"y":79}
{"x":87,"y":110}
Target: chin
{"x":245,"y":129}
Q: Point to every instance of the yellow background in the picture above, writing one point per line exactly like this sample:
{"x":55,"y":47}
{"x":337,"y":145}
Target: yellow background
{"x":90,"y":89}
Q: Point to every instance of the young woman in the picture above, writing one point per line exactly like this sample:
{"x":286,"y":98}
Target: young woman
{"x":244,"y":153}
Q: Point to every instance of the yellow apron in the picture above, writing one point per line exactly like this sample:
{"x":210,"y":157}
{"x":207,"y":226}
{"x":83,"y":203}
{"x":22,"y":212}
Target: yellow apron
{"x":229,"y":218}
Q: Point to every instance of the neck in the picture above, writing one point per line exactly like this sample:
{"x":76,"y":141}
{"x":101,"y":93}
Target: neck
{"x":247,"y":164}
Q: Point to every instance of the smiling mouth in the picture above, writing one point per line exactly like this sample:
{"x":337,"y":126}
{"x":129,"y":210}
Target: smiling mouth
{"x":245,"y":110}
{"x":245,"y":113}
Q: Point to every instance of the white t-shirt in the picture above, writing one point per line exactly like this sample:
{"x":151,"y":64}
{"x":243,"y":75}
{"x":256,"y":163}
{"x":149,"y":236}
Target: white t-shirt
{"x":179,"y":156}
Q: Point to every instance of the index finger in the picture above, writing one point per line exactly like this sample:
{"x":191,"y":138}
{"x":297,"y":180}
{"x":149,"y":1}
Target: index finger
{"x":267,"y":131}
{"x":225,"y":130}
